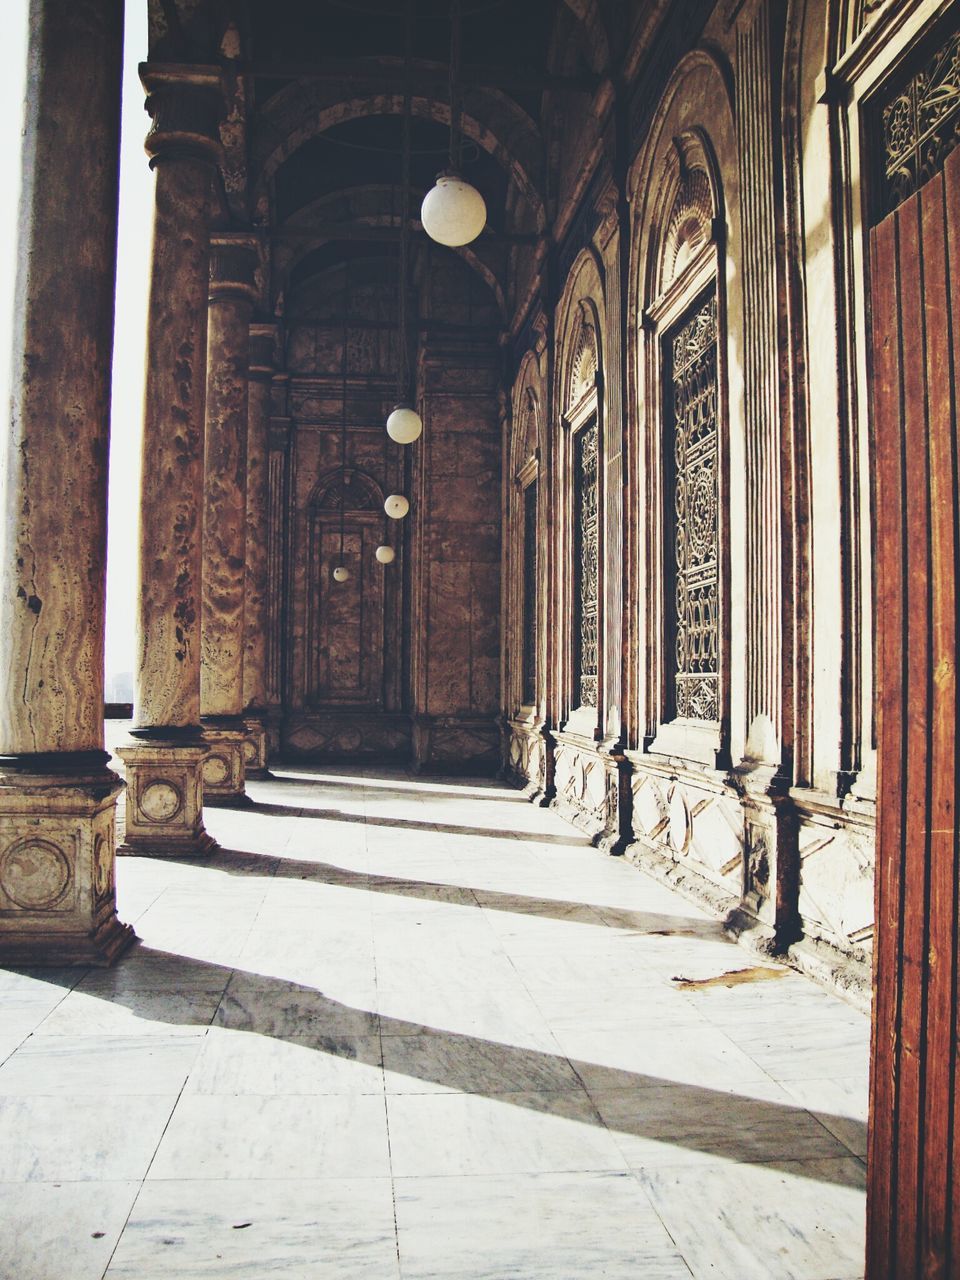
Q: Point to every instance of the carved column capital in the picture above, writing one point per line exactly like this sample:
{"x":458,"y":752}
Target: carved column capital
{"x":234,"y":258}
{"x":185,"y":104}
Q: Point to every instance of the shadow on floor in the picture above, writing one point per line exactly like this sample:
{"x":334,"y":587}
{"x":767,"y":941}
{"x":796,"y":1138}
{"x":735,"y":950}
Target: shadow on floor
{"x":238,"y":862}
{"x":409,"y":785}
{"x":412,"y":824}
{"x":716,"y":1122}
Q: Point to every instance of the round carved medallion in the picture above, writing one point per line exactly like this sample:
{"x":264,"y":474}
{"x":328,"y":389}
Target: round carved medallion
{"x":34,"y":874}
{"x":101,"y":868}
{"x":216,"y":770}
{"x":160,"y":801}
{"x":249,"y":751}
{"x":702,"y":513}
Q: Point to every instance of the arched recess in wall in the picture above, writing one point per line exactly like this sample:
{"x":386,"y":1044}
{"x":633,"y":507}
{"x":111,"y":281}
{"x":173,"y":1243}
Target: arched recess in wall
{"x":680,"y":584}
{"x":579,"y":499}
{"x":345,"y":620}
{"x":527,"y":567}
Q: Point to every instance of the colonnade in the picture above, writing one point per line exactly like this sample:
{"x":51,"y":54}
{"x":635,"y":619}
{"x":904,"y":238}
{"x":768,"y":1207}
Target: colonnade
{"x":199,"y":678}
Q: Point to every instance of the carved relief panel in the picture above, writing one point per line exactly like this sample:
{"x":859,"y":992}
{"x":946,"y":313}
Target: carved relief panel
{"x":345,"y":627}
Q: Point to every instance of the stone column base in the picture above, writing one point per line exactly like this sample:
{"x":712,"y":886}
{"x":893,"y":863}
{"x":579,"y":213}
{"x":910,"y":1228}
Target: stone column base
{"x":770,"y":857}
{"x":255,"y":749}
{"x":165,"y":800}
{"x":57,"y":867}
{"x":223,"y":769}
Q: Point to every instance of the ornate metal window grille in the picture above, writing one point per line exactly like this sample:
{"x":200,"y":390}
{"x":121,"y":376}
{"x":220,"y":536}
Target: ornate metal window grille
{"x":692,"y":549}
{"x":586,"y":553}
{"x":920,"y":126}
{"x":530,"y":594}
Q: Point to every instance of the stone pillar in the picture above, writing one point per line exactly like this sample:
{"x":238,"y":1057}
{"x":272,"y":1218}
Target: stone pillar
{"x":263,"y":339}
{"x":770,"y":886}
{"x":57,"y":796}
{"x":164,"y":791}
{"x":233,"y":262}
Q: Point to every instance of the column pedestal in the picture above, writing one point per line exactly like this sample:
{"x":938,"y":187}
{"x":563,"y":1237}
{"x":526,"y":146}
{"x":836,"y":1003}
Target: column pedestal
{"x":57,"y":885}
{"x":223,"y":770}
{"x":255,"y":748}
{"x":768,"y":906}
{"x":165,"y":800}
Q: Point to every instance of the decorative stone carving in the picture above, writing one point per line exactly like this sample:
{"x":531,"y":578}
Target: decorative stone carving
{"x":164,"y":802}
{"x":222,"y":771}
{"x":57,"y":901}
{"x":690,"y":225}
{"x":160,"y":801}
{"x":585,"y":362}
{"x":35,"y":874}
{"x":348,"y":489}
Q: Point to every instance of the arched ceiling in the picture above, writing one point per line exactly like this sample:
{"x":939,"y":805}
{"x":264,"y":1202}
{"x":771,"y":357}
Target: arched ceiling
{"x":324,"y":84}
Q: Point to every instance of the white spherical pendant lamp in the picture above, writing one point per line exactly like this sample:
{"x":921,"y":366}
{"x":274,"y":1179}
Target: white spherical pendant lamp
{"x":385,"y":554}
{"x":453,"y":212}
{"x":341,"y":574}
{"x":404,"y":424}
{"x":396,"y":506}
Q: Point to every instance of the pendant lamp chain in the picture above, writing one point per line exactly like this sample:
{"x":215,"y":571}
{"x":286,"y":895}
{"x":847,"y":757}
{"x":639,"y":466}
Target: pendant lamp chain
{"x":403,"y":365}
{"x":343,"y":410}
{"x":456,"y":102}
{"x":404,"y":424}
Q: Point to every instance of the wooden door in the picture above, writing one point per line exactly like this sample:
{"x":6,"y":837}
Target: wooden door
{"x":913,"y":1216}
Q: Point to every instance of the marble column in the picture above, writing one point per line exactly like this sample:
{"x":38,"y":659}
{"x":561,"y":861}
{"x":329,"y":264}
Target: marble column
{"x":57,"y":795}
{"x":164,"y":786}
{"x":233,"y":263}
{"x":263,"y":340}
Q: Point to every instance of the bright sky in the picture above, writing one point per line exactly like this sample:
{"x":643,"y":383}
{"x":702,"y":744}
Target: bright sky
{"x":136,"y":220}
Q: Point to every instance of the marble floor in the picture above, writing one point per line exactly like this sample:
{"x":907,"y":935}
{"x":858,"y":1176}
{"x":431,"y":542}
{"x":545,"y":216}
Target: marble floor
{"x":402,"y":1027}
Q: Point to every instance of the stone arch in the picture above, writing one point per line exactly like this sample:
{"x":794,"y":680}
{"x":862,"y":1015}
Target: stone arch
{"x":346,"y":486}
{"x":685,"y":230}
{"x":527,"y":424}
{"x":579,"y":331}
{"x":301,"y":112}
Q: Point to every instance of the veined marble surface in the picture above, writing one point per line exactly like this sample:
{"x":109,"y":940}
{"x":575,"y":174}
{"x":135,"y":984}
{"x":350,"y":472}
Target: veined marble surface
{"x":404,"y":1028}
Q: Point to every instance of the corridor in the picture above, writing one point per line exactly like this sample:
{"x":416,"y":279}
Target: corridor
{"x":408,"y":1027}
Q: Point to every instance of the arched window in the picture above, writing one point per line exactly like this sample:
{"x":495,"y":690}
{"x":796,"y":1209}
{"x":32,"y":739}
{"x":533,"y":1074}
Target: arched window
{"x":685,"y":372}
{"x":582,"y":419}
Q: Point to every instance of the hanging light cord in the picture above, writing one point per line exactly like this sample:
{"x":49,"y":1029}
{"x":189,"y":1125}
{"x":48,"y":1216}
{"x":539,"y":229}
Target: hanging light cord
{"x":456,"y":105}
{"x":343,"y":409}
{"x":403,"y":356}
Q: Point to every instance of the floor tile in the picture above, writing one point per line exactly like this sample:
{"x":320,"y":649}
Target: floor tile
{"x":79,"y":1139}
{"x":42,"y":1224}
{"x":245,"y":1230}
{"x":446,"y":1135}
{"x":290,"y":1010}
{"x":751,"y":1222}
{"x":100,"y":1066}
{"x":240,"y":1062}
{"x":535,"y":1227}
{"x":333,"y":1136}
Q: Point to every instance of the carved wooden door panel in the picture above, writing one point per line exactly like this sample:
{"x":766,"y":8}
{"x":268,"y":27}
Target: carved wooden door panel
{"x":914,"y":1159}
{"x":347,"y":631}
